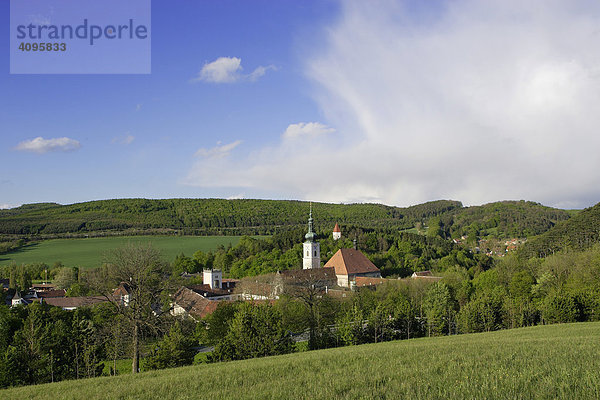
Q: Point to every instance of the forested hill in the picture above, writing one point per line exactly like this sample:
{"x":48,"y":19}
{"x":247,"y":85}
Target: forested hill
{"x":245,"y":216}
{"x":577,"y":233}
{"x":208,"y":216}
{"x":503,"y":219}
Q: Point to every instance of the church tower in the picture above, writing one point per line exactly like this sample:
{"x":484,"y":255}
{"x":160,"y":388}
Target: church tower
{"x":337,"y":232}
{"x":311,"y":256}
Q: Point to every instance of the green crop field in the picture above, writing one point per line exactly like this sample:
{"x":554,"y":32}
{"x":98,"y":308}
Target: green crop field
{"x":90,"y":252}
{"x":543,"y":362}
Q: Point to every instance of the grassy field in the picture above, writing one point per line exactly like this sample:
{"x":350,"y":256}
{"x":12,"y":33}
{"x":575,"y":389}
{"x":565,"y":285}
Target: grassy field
{"x":544,"y":362}
{"x":89,"y":252}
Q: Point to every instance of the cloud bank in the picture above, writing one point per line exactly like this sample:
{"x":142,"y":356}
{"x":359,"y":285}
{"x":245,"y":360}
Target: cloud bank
{"x":40,"y":145}
{"x":475,"y":101}
{"x":229,"y":70}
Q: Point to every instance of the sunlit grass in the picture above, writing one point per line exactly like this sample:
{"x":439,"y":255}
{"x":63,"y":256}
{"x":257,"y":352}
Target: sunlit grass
{"x":90,"y":252}
{"x":545,"y":362}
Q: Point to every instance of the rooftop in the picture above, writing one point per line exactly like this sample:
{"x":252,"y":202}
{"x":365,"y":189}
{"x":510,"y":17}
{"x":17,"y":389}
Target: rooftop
{"x":350,"y":261}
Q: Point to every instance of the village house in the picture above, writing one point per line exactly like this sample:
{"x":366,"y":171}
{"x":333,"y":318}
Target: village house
{"x":188,"y":303}
{"x":197,"y":301}
{"x":350,"y":264}
{"x":72,"y":303}
{"x":425,"y":275}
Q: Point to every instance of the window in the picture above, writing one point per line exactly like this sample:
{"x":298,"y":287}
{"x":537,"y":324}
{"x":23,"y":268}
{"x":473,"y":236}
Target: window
{"x":307,"y":253}
{"x":315,"y":253}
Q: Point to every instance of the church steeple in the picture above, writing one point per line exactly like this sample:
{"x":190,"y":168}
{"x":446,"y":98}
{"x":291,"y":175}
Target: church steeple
{"x":311,"y":256}
{"x":310,"y":236}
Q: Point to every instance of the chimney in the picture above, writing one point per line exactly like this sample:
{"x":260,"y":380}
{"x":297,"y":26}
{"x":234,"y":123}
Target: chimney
{"x":355,"y":246}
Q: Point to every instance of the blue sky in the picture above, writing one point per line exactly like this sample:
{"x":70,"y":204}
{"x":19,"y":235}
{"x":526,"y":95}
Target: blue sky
{"x":391,"y":102}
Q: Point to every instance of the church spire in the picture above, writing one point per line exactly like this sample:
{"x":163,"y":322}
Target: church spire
{"x":311,"y":256}
{"x":310,"y":236}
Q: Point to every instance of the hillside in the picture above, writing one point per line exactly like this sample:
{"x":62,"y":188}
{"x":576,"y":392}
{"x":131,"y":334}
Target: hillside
{"x":543,"y":362}
{"x":505,"y":219}
{"x":206,"y":216}
{"x":577,"y":233}
{"x":246,"y":216}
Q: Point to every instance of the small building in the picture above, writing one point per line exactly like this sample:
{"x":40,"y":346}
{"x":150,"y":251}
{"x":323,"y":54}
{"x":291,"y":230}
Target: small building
{"x":188,"y":303}
{"x":337,"y":232}
{"x":425,"y":275}
{"x":72,"y":303}
{"x":19,"y":300}
{"x":123,"y":293}
{"x":349,"y":264}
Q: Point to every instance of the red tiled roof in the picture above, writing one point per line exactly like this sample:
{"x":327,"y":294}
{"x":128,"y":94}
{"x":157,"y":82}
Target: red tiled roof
{"x":362,"y":281}
{"x":350,"y":261}
{"x":122,"y":290}
{"x":336,"y":228}
{"x":194,"y":303}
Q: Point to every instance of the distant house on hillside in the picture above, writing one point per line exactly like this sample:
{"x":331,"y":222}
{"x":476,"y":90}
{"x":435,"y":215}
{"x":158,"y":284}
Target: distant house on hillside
{"x":425,"y":275}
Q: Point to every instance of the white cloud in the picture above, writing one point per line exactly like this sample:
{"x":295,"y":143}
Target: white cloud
{"x":218,"y":151}
{"x":259,"y":72}
{"x":304,"y":129}
{"x":40,"y":145}
{"x":138,"y":107}
{"x":237,"y":196}
{"x":125,"y":139}
{"x":474,"y":101}
{"x":5,"y":206}
{"x":228,"y":70}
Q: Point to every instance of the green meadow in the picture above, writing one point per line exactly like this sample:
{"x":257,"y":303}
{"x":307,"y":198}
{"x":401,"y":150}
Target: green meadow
{"x":90,"y":252}
{"x":543,"y":362}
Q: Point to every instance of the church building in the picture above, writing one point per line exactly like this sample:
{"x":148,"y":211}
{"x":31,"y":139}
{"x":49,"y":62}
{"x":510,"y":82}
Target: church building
{"x":347,"y":263}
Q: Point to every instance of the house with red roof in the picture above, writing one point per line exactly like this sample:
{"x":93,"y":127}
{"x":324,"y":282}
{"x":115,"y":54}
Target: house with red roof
{"x":350,"y":264}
